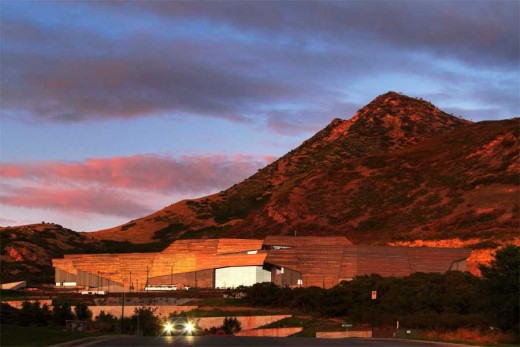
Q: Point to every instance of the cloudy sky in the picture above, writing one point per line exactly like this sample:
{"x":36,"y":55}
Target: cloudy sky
{"x":111,"y":110}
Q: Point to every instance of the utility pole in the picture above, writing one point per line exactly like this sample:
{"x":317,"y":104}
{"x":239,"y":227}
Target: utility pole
{"x":138,"y":319}
{"x":146,"y":285}
{"x":123,"y":307}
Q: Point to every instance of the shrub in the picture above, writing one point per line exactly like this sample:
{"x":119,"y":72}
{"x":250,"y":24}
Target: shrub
{"x":231,"y":325}
{"x":105,"y":322}
{"x":82,"y":312}
{"x":61,"y":313}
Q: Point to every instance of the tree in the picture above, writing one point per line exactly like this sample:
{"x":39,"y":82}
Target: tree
{"x":105,"y":322}
{"x":62,"y":313}
{"x":32,"y":313}
{"x":231,"y":325}
{"x":501,"y":284}
{"x":149,"y":324}
{"x":82,"y":312}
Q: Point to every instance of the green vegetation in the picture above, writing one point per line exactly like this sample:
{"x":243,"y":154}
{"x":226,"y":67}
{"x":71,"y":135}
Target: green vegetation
{"x":210,"y":232}
{"x":109,"y":246}
{"x":236,"y":207}
{"x":6,"y":294}
{"x":128,"y":226}
{"x":231,"y":325}
{"x":501,"y":286}
{"x":170,"y":232}
{"x":15,"y":335}
{"x":422,"y":300}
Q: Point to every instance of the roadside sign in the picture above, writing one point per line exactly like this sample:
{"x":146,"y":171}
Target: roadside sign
{"x":346,"y":325}
{"x":374,"y":294}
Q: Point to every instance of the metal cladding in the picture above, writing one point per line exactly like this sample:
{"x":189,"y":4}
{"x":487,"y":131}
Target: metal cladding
{"x":292,"y":261}
{"x":300,"y":241}
{"x":328,"y":265}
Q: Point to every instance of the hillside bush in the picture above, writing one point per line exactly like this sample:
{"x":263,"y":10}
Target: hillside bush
{"x":501,"y":287}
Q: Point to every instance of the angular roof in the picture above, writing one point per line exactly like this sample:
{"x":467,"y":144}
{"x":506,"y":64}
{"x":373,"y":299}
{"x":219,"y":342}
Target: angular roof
{"x":213,"y":246}
{"x":301,"y":241}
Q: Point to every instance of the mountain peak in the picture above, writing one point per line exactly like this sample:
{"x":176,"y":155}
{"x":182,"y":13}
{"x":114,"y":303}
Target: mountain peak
{"x":389,"y":122}
{"x":400,"y":120}
{"x":397,"y":104}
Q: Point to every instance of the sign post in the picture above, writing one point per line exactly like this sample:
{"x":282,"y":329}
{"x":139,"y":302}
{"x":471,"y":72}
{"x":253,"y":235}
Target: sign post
{"x":374,"y":297}
{"x":346,"y":325}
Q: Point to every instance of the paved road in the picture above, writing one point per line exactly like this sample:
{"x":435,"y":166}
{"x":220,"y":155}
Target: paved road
{"x":248,"y":341}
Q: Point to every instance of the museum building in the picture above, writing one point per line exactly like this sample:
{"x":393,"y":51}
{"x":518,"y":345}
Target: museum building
{"x":227,"y":263}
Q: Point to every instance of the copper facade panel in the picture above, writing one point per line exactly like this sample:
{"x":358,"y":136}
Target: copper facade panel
{"x":318,"y":261}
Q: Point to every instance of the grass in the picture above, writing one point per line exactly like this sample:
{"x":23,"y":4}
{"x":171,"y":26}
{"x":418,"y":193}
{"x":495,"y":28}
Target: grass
{"x":14,"y":335}
{"x":12,"y":294}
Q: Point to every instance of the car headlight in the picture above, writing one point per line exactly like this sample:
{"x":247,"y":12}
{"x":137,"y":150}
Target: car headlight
{"x":189,"y":327}
{"x":168,"y":327}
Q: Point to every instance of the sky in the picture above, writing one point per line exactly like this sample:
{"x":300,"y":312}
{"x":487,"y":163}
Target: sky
{"x":111,"y":110}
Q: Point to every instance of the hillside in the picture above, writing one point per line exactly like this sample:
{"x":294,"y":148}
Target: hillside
{"x":399,"y":170}
{"x":26,"y":251}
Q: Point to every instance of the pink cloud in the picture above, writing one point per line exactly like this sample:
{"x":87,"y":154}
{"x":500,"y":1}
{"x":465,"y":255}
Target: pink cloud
{"x":187,"y":174}
{"x":122,"y":186}
{"x":102,"y":201}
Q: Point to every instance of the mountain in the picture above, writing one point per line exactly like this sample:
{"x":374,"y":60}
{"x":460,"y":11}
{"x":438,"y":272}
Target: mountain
{"x":399,"y":170}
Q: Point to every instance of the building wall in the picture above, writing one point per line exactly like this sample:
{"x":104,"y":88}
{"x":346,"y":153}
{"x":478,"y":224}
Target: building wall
{"x":274,"y":332}
{"x":196,"y":279}
{"x":63,"y":276}
{"x":287,"y":278}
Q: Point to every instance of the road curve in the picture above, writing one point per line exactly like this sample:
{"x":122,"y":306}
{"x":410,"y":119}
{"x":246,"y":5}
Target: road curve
{"x":248,"y":341}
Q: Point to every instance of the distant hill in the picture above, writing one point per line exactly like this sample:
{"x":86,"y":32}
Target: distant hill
{"x":399,"y":172}
{"x":26,"y":251}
